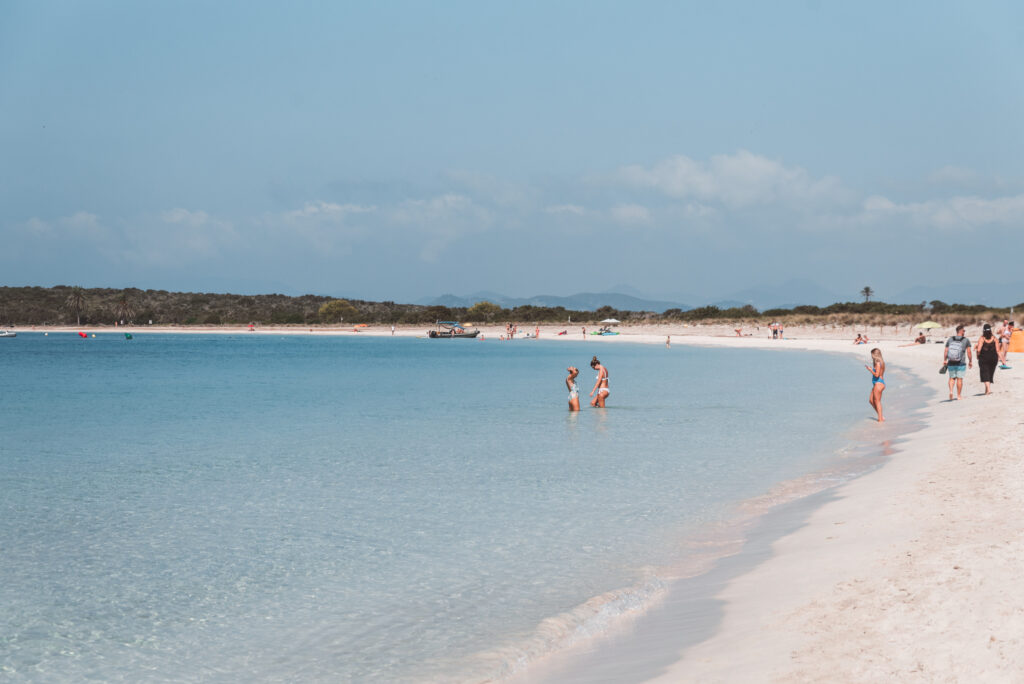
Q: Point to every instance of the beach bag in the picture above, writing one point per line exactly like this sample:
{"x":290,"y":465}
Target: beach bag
{"x":942,"y":371}
{"x":955,"y":355}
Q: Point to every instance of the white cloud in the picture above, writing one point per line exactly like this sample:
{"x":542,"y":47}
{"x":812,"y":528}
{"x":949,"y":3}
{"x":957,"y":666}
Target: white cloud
{"x":630,"y":214}
{"x":736,"y":181}
{"x":328,"y":211}
{"x":949,"y":213}
{"x":441,"y":220}
{"x":953,"y":175}
{"x":573,"y":209}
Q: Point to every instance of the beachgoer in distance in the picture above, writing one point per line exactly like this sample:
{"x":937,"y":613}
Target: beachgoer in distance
{"x":668,"y":341}
{"x":536,"y":332}
{"x":955,"y":355}
{"x":1005,"y":333}
{"x":920,"y":339}
{"x":574,"y":389}
{"x":601,"y":386}
{"x":877,"y":381}
{"x":988,"y":356}
{"x":859,"y":339}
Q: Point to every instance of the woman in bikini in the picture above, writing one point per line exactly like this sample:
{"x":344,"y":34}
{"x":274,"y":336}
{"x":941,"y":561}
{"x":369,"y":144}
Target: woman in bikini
{"x":601,"y":386}
{"x":574,"y":389}
{"x":877,"y":382}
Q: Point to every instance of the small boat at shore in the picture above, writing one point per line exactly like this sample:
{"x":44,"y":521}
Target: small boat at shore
{"x":450,"y":330}
{"x":8,"y":333}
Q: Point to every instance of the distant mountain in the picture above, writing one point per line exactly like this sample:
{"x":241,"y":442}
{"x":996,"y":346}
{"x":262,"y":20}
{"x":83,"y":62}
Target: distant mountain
{"x":1004,"y":295}
{"x":583,"y":301}
{"x":785,"y":295}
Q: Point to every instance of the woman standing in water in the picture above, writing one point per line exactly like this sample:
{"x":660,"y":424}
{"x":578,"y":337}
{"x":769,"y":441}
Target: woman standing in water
{"x":988,"y":356}
{"x":601,"y":386}
{"x":574,"y":389}
{"x":877,"y":381}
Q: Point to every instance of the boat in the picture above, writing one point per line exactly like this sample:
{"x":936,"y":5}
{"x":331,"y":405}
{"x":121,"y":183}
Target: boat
{"x":8,"y":333}
{"x":451,"y":329}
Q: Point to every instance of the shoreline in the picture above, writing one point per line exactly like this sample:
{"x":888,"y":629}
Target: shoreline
{"x":894,"y":571}
{"x":646,"y":641}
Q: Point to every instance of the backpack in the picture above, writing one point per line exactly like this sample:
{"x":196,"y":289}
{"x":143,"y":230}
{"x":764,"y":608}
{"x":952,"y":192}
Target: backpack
{"x":955,"y":355}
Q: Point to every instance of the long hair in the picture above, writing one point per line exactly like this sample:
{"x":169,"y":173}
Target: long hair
{"x":988,"y":332}
{"x":876,"y":355}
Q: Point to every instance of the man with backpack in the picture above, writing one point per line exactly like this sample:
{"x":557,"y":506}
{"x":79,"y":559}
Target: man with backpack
{"x":956,"y":354}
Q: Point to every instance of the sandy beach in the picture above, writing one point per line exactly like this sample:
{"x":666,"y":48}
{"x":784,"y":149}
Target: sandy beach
{"x":908,"y":573}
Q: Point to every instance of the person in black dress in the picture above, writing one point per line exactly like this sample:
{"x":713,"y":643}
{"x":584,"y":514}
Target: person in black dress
{"x":988,"y":356}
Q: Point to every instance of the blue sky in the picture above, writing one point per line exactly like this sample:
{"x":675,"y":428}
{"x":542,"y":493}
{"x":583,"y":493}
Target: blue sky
{"x":398,"y":149}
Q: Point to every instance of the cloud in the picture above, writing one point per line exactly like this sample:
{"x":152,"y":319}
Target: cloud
{"x":327,"y":211}
{"x":735,"y":181}
{"x":953,"y":175}
{"x":630,"y":214}
{"x":441,"y":220}
{"x":571,"y":209}
{"x":948,"y":214}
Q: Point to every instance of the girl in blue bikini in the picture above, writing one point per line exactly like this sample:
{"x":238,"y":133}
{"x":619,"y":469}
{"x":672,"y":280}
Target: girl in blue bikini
{"x":877,"y":382}
{"x":574,"y":389}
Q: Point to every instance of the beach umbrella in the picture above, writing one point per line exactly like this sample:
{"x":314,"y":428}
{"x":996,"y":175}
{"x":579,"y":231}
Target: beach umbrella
{"x":927,"y":325}
{"x":611,"y":321}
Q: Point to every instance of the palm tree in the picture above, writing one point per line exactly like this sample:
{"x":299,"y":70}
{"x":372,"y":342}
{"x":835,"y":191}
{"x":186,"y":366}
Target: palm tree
{"x":125,"y":311}
{"x":76,"y":302}
{"x":867,"y":293}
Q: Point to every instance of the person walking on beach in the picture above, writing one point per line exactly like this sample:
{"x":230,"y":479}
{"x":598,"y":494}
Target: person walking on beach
{"x":955,"y":355}
{"x":988,"y":356}
{"x":877,"y":369}
{"x":601,"y":386}
{"x":574,"y":389}
{"x":1005,"y":333}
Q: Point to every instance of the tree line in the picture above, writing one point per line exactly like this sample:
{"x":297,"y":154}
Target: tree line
{"x":72,"y":305}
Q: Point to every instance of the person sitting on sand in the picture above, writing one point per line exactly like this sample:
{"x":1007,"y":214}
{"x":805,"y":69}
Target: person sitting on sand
{"x":859,"y":339}
{"x":877,"y":382}
{"x":601,"y":386}
{"x":920,"y":339}
{"x":574,"y":389}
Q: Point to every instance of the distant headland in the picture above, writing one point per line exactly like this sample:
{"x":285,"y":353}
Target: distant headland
{"x":70,"y":305}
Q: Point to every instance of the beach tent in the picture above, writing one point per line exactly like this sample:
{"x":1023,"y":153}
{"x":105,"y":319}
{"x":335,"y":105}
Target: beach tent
{"x":610,"y":321}
{"x":1016,"y":341}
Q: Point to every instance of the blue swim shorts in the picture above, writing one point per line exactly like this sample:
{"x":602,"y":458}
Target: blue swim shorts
{"x":956,"y":372}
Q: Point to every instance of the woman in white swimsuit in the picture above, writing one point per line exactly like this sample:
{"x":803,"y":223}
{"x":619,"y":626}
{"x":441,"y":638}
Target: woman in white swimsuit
{"x":574,"y":389}
{"x":601,"y":386}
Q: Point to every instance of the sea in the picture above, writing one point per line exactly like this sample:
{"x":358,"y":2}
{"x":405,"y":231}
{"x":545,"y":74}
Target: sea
{"x":280,"y":508}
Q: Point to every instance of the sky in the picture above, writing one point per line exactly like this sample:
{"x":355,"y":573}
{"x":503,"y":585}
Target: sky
{"x":393,"y":150}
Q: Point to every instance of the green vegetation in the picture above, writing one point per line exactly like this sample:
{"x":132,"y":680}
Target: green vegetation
{"x":337,"y":310}
{"x":63,"y":305}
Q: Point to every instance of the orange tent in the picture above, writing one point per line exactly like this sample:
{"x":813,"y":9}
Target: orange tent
{"x":1017,"y":341}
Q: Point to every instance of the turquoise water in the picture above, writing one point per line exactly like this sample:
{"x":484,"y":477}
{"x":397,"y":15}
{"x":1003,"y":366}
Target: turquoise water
{"x":281,"y":508}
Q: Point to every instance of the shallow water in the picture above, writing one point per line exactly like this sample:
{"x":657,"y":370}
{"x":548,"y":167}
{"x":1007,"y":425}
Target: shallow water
{"x":265,"y":508}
